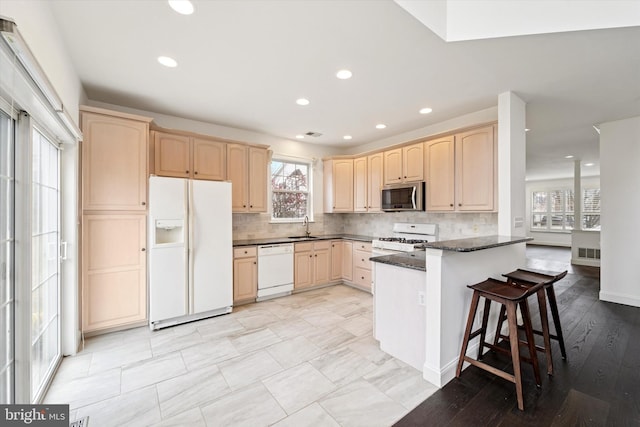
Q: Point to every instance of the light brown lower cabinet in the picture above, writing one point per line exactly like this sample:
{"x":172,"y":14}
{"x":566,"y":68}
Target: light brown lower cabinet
{"x":312,"y":264}
{"x":245,"y":274}
{"x":114,"y":285}
{"x":336,"y":259}
{"x":347,"y":260}
{"x":362,"y":265}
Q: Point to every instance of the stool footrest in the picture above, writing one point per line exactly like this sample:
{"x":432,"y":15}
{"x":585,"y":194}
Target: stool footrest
{"x":489,"y":368}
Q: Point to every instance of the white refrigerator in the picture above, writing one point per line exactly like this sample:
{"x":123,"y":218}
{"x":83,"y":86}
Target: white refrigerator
{"x":190,"y":250}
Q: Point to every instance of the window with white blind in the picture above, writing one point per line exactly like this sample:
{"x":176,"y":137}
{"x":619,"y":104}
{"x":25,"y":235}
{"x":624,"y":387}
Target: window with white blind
{"x":591,"y":209}
{"x":553,"y":210}
{"x":290,"y":190}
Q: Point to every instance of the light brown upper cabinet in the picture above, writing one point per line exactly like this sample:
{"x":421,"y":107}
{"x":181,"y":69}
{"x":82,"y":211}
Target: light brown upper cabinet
{"x":475,"y":170}
{"x":374,"y":182}
{"x":360,"y":193}
{"x":209,"y":159}
{"x":367,"y":183}
{"x":404,"y":164}
{"x":440,"y":174}
{"x":114,"y":162}
{"x":461,"y":171}
{"x":247,"y":171}
{"x":172,"y":155}
{"x":338,"y":181}
{"x":189,"y":157}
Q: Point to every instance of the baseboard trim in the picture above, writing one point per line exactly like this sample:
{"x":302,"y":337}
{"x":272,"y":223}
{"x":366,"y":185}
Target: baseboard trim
{"x":618,"y":298}
{"x":585,"y":262}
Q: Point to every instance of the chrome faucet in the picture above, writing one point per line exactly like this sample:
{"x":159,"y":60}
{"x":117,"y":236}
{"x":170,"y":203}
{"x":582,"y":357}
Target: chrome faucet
{"x":305,"y":223}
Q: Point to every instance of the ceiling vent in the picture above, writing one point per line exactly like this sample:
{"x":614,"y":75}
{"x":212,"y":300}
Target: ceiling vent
{"x":314,"y":134}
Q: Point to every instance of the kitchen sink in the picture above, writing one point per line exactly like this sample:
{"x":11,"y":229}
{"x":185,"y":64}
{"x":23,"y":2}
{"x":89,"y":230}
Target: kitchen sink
{"x":302,"y":237}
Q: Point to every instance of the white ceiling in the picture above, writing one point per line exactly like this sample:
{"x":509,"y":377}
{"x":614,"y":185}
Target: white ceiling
{"x":244,"y":63}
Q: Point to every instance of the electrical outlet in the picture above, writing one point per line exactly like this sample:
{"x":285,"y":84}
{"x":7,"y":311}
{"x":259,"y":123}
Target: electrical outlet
{"x":421,"y":298}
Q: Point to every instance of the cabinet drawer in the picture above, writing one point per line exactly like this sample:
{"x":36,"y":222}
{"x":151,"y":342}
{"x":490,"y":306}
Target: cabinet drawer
{"x":362,"y":246}
{"x":245,"y":251}
{"x":325,"y":244}
{"x":361,"y":259}
{"x":362,"y":277}
{"x":303,"y":247}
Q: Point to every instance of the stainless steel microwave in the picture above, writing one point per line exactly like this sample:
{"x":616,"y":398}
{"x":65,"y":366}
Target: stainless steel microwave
{"x":403,"y":197}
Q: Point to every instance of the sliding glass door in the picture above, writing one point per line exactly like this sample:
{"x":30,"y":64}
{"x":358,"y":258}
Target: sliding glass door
{"x":7,"y":229}
{"x":45,"y":262}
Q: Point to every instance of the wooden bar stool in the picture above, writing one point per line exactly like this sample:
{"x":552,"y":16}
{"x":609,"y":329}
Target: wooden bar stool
{"x":526,"y":279}
{"x":510,"y":297}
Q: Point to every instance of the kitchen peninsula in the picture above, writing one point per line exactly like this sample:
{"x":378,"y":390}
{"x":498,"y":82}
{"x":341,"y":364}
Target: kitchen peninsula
{"x":421,"y":300}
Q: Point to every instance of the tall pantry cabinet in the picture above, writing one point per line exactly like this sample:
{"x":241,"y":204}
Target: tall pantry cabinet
{"x":113,"y":224}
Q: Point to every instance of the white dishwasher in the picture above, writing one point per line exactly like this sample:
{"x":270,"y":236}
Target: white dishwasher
{"x":275,"y":270}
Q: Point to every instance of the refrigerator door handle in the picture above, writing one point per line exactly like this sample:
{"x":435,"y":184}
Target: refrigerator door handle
{"x":189,"y":247}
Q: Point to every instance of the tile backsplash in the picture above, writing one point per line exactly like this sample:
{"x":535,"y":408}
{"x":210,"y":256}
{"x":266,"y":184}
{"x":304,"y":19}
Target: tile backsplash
{"x":450,"y":225}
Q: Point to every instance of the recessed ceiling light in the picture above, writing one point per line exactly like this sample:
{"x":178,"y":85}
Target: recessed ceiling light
{"x":425,"y":110}
{"x":568,"y":157}
{"x":527,"y":129}
{"x":300,"y":136}
{"x":346,"y":137}
{"x":302,"y":101}
{"x":381,"y":126}
{"x":184,"y":7}
{"x":344,"y":74}
{"x":167,"y":62}
{"x":589,"y":164}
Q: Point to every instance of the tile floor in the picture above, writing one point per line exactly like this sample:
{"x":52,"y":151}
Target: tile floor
{"x":304,"y":360}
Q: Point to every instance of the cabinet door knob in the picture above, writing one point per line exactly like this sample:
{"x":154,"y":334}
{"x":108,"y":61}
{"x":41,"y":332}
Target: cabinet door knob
{"x":143,"y":249}
{"x":363,"y":259}
{"x":310,"y":256}
{"x":459,"y":204}
{"x":399,"y":177}
{"x":244,"y":206}
{"x":316,"y":255}
{"x":144,"y":203}
{"x":195,"y":173}
{"x":186,"y":171}
{"x":245,"y":252}
{"x":405,"y":177}
{"x":451,"y":204}
{"x":254,"y":262}
{"x":250,"y":206}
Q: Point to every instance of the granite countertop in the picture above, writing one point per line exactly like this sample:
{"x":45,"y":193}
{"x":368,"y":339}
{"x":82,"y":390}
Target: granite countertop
{"x":476,"y":243}
{"x":275,"y":240}
{"x":413,"y":260}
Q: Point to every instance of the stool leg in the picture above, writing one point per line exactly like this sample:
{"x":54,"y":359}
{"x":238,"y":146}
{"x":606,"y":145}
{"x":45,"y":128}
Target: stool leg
{"x":515,"y":351}
{"x":533,"y":353}
{"x":544,"y":319}
{"x":551,"y":295}
{"x":483,"y":330}
{"x":467,"y":331}
{"x":503,"y":312}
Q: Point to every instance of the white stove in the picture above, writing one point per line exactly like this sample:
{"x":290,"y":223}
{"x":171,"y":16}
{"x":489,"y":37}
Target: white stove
{"x":407,"y":237}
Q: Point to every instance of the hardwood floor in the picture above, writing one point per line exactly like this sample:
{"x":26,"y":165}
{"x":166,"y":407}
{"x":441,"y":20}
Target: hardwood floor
{"x":598,"y":384}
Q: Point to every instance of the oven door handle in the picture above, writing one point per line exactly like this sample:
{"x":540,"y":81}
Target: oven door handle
{"x":413,"y":197}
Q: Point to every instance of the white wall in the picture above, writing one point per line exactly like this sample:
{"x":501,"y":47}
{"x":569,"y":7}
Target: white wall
{"x":39,"y":29}
{"x":620,"y":201}
{"x":478,"y":117}
{"x":552,"y":238}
